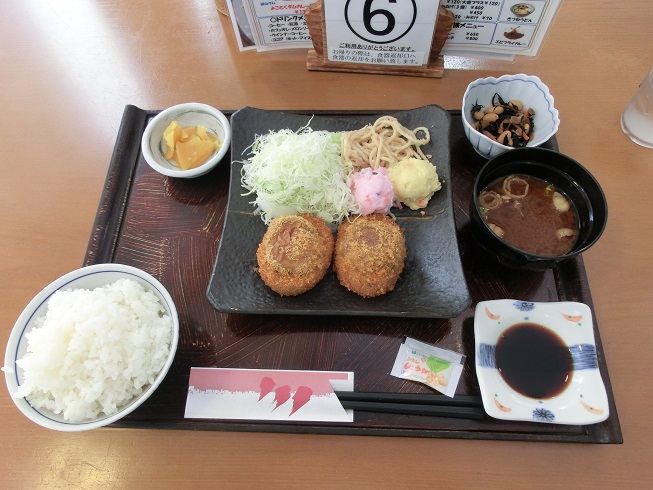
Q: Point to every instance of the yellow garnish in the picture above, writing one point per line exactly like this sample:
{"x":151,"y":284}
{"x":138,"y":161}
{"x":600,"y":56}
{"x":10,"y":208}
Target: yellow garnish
{"x":190,"y":146}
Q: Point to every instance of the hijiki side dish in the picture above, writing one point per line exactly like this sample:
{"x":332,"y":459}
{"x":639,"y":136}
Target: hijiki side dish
{"x":351,"y":179}
{"x":507,"y":123}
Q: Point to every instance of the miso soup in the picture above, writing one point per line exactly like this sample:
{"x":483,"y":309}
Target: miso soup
{"x":530,"y":214}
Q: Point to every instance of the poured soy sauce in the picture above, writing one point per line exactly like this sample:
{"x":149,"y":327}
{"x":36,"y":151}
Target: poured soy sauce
{"x":533,"y":360}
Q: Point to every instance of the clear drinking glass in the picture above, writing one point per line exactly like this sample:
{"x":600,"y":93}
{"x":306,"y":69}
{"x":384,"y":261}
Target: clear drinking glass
{"x":637,"y":118}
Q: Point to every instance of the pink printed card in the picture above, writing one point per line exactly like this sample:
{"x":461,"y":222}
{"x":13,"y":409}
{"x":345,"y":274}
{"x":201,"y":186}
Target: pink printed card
{"x":259,"y":394}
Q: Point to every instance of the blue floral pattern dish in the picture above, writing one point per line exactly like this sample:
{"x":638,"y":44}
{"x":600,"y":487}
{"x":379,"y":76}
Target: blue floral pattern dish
{"x":585,"y":399}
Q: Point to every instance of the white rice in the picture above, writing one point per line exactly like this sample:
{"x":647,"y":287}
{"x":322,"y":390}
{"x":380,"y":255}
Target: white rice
{"x":95,"y":350}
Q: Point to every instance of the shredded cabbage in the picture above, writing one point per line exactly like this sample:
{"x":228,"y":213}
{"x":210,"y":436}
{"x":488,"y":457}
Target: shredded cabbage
{"x":298,"y":172}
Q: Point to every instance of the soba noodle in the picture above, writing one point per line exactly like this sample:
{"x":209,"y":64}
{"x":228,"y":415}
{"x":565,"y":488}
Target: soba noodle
{"x":383,"y":143}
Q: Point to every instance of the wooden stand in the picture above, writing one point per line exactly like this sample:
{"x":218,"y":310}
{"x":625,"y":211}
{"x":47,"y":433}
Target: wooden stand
{"x":317,"y":60}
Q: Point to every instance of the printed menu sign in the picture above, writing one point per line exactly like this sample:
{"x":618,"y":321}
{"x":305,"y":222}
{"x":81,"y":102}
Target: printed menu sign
{"x":270,"y":24}
{"x":501,"y":27}
{"x":396,"y":32}
{"x":380,"y":32}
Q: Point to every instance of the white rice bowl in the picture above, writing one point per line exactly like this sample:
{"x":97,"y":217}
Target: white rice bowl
{"x":91,"y":347}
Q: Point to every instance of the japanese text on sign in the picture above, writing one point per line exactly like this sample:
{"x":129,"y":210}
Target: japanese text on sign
{"x":382,"y":32}
{"x":498,"y":26}
{"x":272,"y":24}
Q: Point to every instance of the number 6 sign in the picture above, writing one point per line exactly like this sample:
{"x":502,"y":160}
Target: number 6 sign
{"x":379,"y":21}
{"x":399,"y":37}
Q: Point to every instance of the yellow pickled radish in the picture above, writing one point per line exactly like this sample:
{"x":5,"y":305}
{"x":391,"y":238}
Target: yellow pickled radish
{"x":193,"y":152}
{"x":190,"y":146}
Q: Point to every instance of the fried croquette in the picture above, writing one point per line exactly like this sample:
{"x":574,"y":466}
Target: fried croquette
{"x":369,"y":256}
{"x":295,"y":253}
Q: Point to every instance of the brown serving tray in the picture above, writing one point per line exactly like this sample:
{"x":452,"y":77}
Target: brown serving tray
{"x":171,"y":228}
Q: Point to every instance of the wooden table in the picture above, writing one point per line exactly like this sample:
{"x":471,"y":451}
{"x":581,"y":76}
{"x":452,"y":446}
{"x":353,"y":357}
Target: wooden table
{"x":69,"y":68}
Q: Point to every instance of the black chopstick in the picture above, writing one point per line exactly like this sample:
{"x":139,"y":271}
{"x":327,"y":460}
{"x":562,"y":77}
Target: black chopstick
{"x":461,"y":406}
{"x":415,"y":409}
{"x":413,"y":398}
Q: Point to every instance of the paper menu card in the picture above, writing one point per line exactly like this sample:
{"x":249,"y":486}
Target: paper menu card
{"x":482,"y":28}
{"x":395,"y":33}
{"x":270,"y":24}
{"x":258,"y":394}
{"x":498,"y":27}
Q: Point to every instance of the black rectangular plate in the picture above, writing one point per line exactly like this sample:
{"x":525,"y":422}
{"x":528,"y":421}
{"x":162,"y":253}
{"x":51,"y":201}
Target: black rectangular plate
{"x":432,"y":284}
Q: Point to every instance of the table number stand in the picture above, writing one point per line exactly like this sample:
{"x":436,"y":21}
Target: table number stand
{"x":317,"y":60}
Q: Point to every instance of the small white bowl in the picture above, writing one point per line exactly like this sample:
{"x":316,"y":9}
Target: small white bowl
{"x":191,"y":114}
{"x":89,"y":277}
{"x":529,"y":90}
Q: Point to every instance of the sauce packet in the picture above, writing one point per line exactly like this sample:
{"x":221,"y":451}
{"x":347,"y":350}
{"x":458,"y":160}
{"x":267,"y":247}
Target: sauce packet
{"x":433,"y":366}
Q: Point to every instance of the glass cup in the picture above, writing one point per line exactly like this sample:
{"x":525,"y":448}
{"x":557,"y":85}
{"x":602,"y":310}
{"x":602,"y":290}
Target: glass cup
{"x":637,"y":118}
